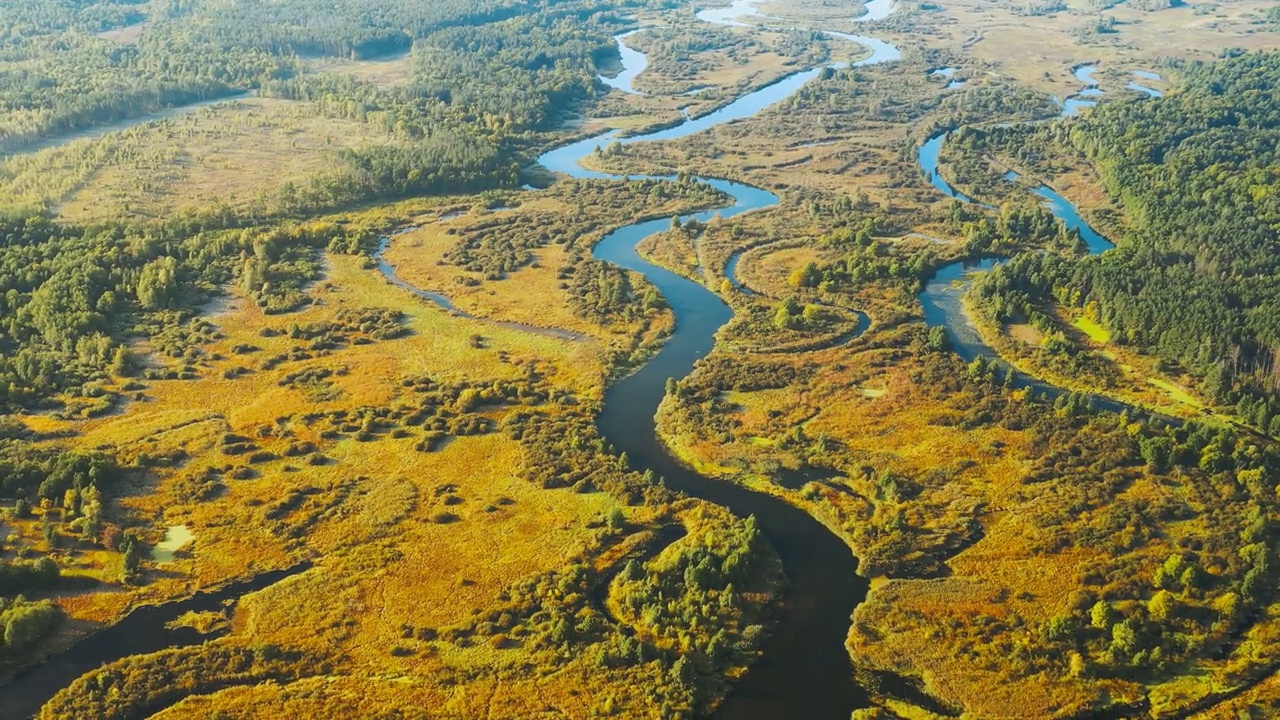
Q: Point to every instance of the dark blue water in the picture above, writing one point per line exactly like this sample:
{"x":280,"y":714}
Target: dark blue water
{"x":1070,"y":216}
{"x":1075,"y":103}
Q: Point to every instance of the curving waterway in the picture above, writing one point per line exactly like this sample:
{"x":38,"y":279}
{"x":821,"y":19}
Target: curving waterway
{"x":805,"y":670}
{"x":943,"y":296}
{"x":145,"y":629}
{"x":634,"y":62}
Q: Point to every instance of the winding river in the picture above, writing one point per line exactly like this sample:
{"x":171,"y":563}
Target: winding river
{"x":634,"y":62}
{"x":805,"y":670}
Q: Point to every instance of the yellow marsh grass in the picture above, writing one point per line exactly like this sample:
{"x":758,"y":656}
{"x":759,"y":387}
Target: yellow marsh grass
{"x":190,"y":416}
{"x":1040,"y":51}
{"x":574,"y":691}
{"x":769,"y":269}
{"x":530,"y":295}
{"x":394,"y":71}
{"x":423,"y":572}
{"x":227,"y":153}
{"x":439,"y":346}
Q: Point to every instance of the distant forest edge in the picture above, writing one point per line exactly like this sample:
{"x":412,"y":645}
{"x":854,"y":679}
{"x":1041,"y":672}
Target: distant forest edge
{"x":484,"y":76}
{"x":1196,"y":275}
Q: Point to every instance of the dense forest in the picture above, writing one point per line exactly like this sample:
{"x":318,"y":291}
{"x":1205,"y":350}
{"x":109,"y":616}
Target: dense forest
{"x":1195,"y":276}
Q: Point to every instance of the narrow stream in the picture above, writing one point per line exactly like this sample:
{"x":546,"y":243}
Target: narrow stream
{"x":1145,"y":75}
{"x":942,"y":298}
{"x":143,"y":630}
{"x":634,"y":62}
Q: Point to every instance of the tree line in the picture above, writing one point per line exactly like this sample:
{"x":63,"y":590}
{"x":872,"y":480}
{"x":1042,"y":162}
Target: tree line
{"x":1195,"y":278}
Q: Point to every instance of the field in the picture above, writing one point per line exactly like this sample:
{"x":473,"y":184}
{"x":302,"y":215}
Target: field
{"x":1039,"y":48}
{"x":235,"y":155}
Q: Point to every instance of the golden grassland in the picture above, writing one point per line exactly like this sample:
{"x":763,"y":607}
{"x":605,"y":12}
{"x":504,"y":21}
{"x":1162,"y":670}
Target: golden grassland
{"x":532,"y":295}
{"x":190,"y":416}
{"x":770,"y":267}
{"x":416,"y":571}
{"x":228,"y":154}
{"x":356,"y":603}
{"x":389,"y":72}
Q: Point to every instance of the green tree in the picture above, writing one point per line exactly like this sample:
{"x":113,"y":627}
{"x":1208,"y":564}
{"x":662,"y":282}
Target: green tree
{"x":785,"y":317}
{"x":616,"y":520}
{"x":26,"y":623}
{"x":1101,"y":616}
{"x":132,"y":567}
{"x":806,"y":276}
{"x":1163,"y":605}
{"x":158,"y":283}
{"x":121,"y":363}
{"x":48,"y":530}
{"x":1124,"y":637}
{"x":682,"y":672}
